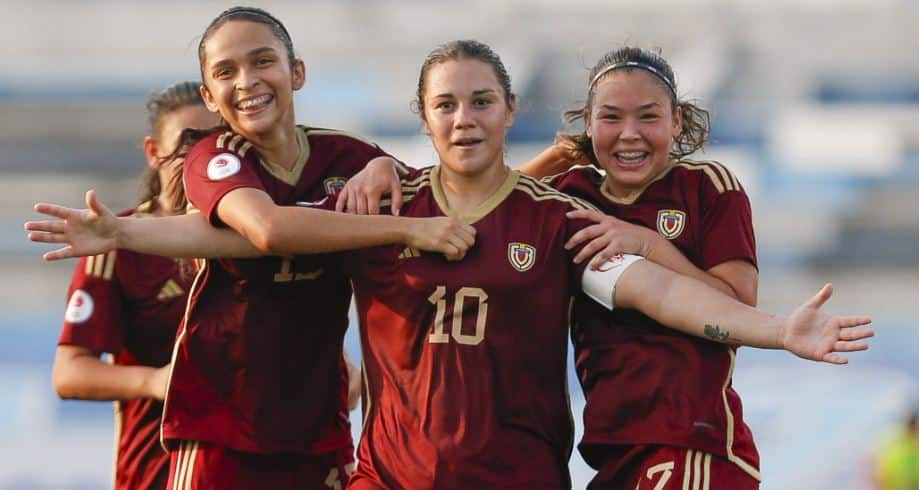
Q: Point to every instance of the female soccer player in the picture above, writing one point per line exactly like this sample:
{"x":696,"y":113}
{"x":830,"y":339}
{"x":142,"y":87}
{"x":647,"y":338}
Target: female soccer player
{"x":465,"y":361}
{"x":661,"y":411}
{"x":130,"y":305}
{"x":257,"y":388}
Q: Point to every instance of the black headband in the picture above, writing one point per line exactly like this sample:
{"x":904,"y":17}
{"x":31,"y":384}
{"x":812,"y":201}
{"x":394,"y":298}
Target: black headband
{"x":633,"y":64}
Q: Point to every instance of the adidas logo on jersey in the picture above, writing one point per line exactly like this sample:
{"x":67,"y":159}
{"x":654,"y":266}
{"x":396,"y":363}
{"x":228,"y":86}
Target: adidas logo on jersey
{"x":409,"y":253}
{"x":170,"y":290}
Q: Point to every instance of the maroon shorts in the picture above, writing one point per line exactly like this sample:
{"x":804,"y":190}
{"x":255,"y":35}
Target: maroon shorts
{"x":201,"y":466}
{"x":669,"y":468}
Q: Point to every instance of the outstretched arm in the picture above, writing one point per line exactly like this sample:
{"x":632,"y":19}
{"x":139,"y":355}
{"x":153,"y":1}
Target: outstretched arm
{"x":690,"y":306}
{"x":78,"y":373}
{"x":266,"y":229}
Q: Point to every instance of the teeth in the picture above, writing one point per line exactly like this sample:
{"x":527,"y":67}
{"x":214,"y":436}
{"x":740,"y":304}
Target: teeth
{"x":254,"y":102}
{"x":631,"y":156}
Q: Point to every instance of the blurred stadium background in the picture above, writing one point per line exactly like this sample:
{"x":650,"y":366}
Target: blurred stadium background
{"x":815,"y":104}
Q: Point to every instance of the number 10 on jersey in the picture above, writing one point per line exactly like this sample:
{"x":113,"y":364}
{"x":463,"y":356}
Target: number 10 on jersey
{"x":439,"y":299}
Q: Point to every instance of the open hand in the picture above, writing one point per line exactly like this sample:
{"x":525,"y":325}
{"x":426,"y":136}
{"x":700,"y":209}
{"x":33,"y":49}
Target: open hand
{"x":84,"y":231}
{"x":811,"y":333}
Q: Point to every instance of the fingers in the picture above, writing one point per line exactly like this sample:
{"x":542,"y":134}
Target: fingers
{"x":834,"y":358}
{"x":361,"y":203}
{"x":48,"y":226}
{"x":848,"y":333}
{"x":467,"y":234}
{"x":61,"y":253}
{"x":46,"y":237}
{"x":599,"y":245}
{"x":842,"y":346}
{"x":54,"y":210}
{"x":584,"y":234}
{"x":351,"y":205}
{"x":395,"y":191}
{"x":822,"y":296}
{"x":586,"y":214}
{"x":342,"y":199}
{"x":854,"y":321}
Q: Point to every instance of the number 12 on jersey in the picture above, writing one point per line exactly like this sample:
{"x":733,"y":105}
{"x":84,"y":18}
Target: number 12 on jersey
{"x":439,"y":299}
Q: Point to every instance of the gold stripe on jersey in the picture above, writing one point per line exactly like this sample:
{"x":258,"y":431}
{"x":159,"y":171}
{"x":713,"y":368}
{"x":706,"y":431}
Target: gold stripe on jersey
{"x":99,"y":265}
{"x":109,"y":270}
{"x":170,"y":290}
{"x":234,"y":142}
{"x":202,"y":265}
{"x":745,"y":466}
{"x":541,"y":192}
{"x":290,"y":176}
{"x":697,"y":470}
{"x":366,"y":382}
{"x":246,"y":146}
{"x":727,"y":180}
{"x":222,"y":140}
{"x":411,"y":187}
{"x":409,"y":253}
{"x":706,"y":471}
{"x":687,"y":467}
{"x":730,"y":180}
{"x":336,"y":132}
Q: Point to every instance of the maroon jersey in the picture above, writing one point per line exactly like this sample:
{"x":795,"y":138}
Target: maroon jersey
{"x":464,"y":362}
{"x":258,"y":362}
{"x":644,"y":383}
{"x":130,"y":305}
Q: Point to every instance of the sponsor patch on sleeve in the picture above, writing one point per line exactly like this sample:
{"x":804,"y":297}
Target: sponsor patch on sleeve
{"x":222,"y":166}
{"x":79,"y":308}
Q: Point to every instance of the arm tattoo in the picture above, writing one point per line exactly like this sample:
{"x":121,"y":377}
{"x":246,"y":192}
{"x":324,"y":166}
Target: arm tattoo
{"x":715,"y":333}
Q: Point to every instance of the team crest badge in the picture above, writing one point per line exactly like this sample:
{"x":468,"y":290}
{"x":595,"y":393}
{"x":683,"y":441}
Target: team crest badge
{"x":222,"y":166}
{"x":334,"y":185}
{"x":670,"y":222}
{"x":521,"y":255}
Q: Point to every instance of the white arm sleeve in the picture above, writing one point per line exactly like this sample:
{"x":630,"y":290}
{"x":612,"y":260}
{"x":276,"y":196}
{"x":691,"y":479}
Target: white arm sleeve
{"x":600,"y":284}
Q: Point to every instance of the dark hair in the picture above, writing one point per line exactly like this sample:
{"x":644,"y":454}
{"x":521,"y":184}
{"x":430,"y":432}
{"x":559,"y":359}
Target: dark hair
{"x":159,"y":106}
{"x":250,"y":14}
{"x":462,"y":50}
{"x":694,"y":133}
{"x":190,"y":136}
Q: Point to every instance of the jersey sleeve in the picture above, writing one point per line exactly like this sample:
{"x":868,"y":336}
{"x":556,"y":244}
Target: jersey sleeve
{"x":94,"y":304}
{"x":727,"y":230}
{"x":211,"y":172}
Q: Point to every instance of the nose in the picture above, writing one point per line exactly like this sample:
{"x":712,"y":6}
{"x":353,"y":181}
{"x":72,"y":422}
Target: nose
{"x":463,"y":117}
{"x":246,"y":79}
{"x":629,"y":129}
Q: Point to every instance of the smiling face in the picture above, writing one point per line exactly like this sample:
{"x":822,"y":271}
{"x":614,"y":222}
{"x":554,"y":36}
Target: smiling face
{"x":632,"y":125}
{"x":248,"y":78}
{"x":467,"y":114}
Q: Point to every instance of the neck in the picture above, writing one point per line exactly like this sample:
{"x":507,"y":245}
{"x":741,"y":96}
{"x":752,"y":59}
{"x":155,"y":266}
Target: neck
{"x":280,"y":145}
{"x":466,"y":192}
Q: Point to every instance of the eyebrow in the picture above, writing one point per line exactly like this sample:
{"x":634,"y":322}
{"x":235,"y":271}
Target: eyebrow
{"x":474,"y":92}
{"x":649,"y":105}
{"x":254,"y":52}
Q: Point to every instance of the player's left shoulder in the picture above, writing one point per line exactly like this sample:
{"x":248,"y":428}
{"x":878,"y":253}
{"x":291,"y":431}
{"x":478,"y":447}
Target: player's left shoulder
{"x":544,"y":194}
{"x":709,"y":174}
{"x":336,"y":137}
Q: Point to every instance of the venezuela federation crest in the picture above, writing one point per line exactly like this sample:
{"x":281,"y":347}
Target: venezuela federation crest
{"x":334,"y":185}
{"x":670,"y":222}
{"x":521,"y":255}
